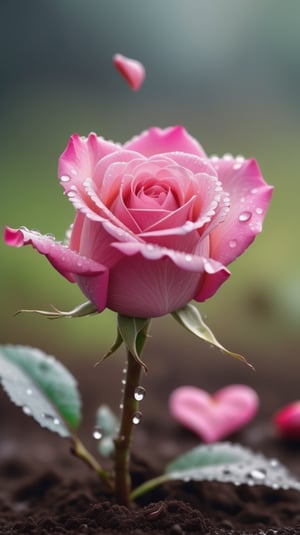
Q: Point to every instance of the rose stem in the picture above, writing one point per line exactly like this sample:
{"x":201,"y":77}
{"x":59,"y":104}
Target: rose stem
{"x":124,"y":438}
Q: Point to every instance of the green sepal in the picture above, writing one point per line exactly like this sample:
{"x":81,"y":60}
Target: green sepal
{"x":190,"y":318}
{"x":42,"y":386}
{"x":117,"y":343}
{"x":85,"y":309}
{"x":134,"y":335}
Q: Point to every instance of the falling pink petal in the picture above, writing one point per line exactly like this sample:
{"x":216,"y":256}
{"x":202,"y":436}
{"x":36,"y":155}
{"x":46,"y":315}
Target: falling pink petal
{"x":132,"y":70}
{"x":214,"y":417}
{"x":287,"y":421}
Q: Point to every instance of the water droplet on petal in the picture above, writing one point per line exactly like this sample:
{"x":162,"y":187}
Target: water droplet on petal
{"x":240,"y":158}
{"x":26,"y":410}
{"x":139,"y":393}
{"x":254,"y":190}
{"x":188,"y":257}
{"x":245,"y":216}
{"x":259,"y":211}
{"x":237,"y":166}
{"x":74,"y":172}
{"x":123,"y":382}
{"x":232,"y":244}
{"x":65,"y":178}
{"x":137,"y":418}
{"x":227,"y":156}
{"x":29,"y":392}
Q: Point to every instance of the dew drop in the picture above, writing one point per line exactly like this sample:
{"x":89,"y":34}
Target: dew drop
{"x":245,"y":216}
{"x":240,"y":158}
{"x":254,"y":190}
{"x":258,"y":474}
{"x":227,"y":156}
{"x":73,"y":171}
{"x":97,"y":433}
{"x":65,"y":178}
{"x":237,"y":166}
{"x":123,"y":382}
{"x":29,"y":392}
{"x":188,"y":257}
{"x":139,"y":393}
{"x":259,"y":211}
{"x":26,"y":410}
{"x":232,"y":244}
{"x":137,"y":418}
{"x":51,"y":418}
{"x":188,"y":225}
{"x":121,"y":406}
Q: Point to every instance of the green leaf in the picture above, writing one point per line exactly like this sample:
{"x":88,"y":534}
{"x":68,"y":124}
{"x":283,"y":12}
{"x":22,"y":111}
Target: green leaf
{"x":190,"y":318}
{"x":42,"y":386}
{"x":230,"y":463}
{"x":134,"y":335}
{"x":85,"y":309}
{"x":107,"y":427}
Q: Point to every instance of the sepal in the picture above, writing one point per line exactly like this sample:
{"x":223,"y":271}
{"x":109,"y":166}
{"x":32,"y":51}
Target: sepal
{"x":85,"y":309}
{"x":190,"y":318}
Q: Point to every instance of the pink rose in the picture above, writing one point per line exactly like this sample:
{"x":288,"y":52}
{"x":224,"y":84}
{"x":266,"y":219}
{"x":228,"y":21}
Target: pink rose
{"x":156,"y":220}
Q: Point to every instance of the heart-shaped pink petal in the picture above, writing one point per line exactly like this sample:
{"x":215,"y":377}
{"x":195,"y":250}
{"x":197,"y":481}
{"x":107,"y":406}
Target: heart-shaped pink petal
{"x":214,"y":417}
{"x":287,"y":421}
{"x":132,"y":70}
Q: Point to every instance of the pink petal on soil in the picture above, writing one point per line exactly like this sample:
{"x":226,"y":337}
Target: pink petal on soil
{"x":132,"y":70}
{"x":214,"y":417}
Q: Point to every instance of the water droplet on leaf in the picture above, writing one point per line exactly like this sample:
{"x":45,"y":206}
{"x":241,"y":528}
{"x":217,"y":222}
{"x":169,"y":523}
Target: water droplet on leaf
{"x":26,"y":410}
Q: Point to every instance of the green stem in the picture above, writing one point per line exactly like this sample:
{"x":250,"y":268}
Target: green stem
{"x":80,"y":451}
{"x":148,"y":485}
{"x":124,"y":438}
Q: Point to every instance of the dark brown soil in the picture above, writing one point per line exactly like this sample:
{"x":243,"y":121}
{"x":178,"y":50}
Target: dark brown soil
{"x":46,"y":490}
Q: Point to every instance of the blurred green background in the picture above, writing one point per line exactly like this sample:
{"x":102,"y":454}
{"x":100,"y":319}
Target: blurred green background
{"x":228,"y":71}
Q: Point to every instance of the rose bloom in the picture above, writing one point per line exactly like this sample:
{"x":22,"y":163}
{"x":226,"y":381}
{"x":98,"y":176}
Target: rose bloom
{"x":156,"y":223}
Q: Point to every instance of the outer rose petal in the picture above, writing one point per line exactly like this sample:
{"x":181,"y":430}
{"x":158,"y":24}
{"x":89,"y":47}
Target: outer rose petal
{"x":249,"y":200}
{"x":165,"y":279}
{"x":66,"y":262}
{"x":158,"y":141}
{"x":132,"y":70}
{"x":79,"y":159}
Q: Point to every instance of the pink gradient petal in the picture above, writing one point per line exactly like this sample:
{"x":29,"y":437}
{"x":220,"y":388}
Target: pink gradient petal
{"x":68,"y":263}
{"x":249,"y":200}
{"x":214,"y":417}
{"x":80,"y":158}
{"x":132,"y":70}
{"x":157,"y":141}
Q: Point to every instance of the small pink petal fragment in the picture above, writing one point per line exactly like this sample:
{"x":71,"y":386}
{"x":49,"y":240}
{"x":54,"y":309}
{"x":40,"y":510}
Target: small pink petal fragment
{"x":215,"y":417}
{"x":132,"y":70}
{"x":287,"y":421}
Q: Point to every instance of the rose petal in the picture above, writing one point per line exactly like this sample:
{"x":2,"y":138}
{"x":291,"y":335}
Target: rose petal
{"x":132,"y":70}
{"x":158,"y":141}
{"x":249,"y":200}
{"x":79,"y":159}
{"x":214,"y":417}
{"x":65,"y":261}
